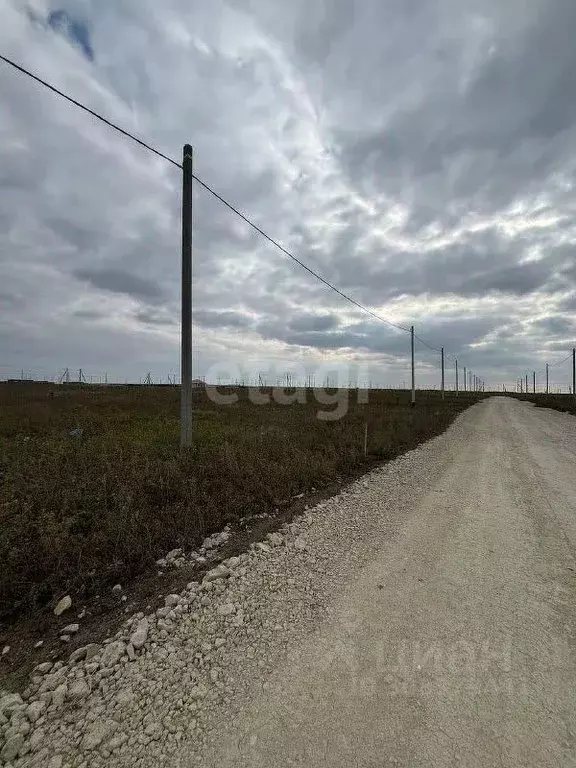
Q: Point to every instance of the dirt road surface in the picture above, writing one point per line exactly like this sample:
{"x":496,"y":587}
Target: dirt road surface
{"x":454,"y":644}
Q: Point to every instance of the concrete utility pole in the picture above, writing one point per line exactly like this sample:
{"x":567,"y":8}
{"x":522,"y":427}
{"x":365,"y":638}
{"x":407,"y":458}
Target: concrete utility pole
{"x":464,"y":388}
{"x":526,"y":383}
{"x":186,"y":332}
{"x":546,"y":378}
{"x":456,"y":378}
{"x":574,"y":371}
{"x":534,"y":381}
{"x":442,"y":355}
{"x":413,"y":398}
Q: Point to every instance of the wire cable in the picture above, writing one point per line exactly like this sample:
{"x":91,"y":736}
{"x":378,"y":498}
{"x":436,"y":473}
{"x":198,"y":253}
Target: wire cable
{"x":225,"y":202}
{"x":209,"y":189}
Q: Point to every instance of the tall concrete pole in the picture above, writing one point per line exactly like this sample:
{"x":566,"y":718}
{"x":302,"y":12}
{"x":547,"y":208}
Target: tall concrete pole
{"x":413,"y":397}
{"x":186,"y":333}
{"x":442,"y":355}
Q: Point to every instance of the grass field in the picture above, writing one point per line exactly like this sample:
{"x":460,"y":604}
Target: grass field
{"x":84,"y":510}
{"x":564,"y":403}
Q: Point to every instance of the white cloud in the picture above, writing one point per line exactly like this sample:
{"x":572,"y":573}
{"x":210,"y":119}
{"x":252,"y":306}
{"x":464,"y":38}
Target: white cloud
{"x":374,"y":142}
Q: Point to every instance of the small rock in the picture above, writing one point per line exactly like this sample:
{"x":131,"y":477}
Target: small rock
{"x":275,"y":539}
{"x":220,"y":572}
{"x":37,"y":739}
{"x":5,"y":650}
{"x":71,"y":629}
{"x":63,"y":605}
{"x":10,"y":702}
{"x":219,"y":642}
{"x":65,"y":638}
{"x":44,"y":668}
{"x":59,"y":695}
{"x":154,"y":730}
{"x":35,"y":710}
{"x":97,"y":732}
{"x":39,"y":644}
{"x":225,"y":610}
{"x":140,"y":635}
{"x":112,"y":654}
{"x":78,"y":690}
{"x":85,"y":652}
{"x":91,"y":650}
{"x":171,"y":600}
{"x":11,"y":749}
{"x":56,"y":761}
{"x":117,"y":588}
{"x":130,"y":652}
{"x":300,"y":543}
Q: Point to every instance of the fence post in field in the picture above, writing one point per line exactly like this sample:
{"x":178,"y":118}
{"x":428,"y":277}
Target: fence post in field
{"x":574,"y":372}
{"x":526,"y":383}
{"x":186,"y":332}
{"x":442,"y":356}
{"x":413,"y":397}
{"x":366,"y":439}
{"x":456,"y":378}
{"x":546,"y":378}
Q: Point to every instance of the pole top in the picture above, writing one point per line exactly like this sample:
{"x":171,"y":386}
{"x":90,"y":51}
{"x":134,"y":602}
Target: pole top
{"x":187,"y":151}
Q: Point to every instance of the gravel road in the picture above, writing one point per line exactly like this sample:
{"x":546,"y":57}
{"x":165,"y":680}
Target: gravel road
{"x":424,"y":617}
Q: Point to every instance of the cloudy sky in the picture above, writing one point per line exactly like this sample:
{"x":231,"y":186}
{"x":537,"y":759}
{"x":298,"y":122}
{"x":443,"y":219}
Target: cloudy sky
{"x":420,"y":155}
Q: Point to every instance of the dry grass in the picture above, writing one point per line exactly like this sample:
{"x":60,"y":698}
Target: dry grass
{"x":565,"y":403}
{"x":78,"y":513}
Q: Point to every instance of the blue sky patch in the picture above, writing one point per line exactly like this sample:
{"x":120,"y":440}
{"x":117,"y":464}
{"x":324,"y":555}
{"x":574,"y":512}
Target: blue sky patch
{"x":76,"y":31}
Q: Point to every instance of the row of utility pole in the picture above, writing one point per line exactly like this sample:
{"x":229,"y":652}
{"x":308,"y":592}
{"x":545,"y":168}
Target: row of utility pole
{"x":522,"y":384}
{"x":472,"y":383}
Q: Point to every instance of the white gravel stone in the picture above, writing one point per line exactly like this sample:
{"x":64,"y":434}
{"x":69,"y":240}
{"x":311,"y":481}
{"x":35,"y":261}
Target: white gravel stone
{"x":44,"y":668}
{"x":112,"y":653}
{"x":98,"y":732}
{"x":139,"y":637}
{"x":12,"y":748}
{"x":10,"y":702}
{"x":78,"y":690}
{"x":172,"y":600}
{"x":63,"y":605}
{"x":205,"y":648}
{"x":59,"y":695}
{"x":220,"y":572}
{"x":35,"y":710}
{"x":71,"y":629}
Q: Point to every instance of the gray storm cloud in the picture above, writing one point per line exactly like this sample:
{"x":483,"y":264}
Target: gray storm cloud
{"x":421,"y":158}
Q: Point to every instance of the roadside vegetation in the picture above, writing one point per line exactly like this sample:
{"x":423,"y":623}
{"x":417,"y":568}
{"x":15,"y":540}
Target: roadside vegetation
{"x":94,"y":487}
{"x":564,"y":403}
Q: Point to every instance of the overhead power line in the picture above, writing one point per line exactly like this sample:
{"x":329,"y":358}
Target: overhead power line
{"x":209,"y":189}
{"x":221,"y":199}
